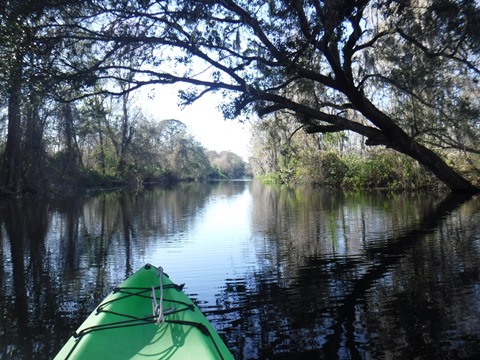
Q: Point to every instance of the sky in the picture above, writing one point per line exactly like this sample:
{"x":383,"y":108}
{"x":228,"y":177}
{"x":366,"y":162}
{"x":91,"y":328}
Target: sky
{"x":204,"y":121}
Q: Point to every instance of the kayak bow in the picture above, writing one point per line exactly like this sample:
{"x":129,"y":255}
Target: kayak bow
{"x":146,"y":317}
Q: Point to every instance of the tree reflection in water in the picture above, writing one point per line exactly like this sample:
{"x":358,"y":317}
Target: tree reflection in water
{"x":391,"y":293}
{"x":310,"y":274}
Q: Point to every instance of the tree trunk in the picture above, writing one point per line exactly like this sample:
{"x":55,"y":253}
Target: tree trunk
{"x":399,"y":140}
{"x":12,"y":164}
{"x":102,"y":148}
{"x":73,"y":158}
{"x":34,"y":178}
{"x":127,"y":133}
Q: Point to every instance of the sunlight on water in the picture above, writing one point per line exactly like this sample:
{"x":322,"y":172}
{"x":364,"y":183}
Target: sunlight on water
{"x":216,"y":245}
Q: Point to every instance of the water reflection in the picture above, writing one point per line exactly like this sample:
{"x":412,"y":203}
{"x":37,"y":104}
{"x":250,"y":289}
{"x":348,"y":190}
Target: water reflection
{"x":347,"y":276}
{"x":280,"y":272}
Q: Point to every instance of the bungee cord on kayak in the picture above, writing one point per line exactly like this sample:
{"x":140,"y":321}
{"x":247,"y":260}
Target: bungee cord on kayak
{"x":158,"y":312}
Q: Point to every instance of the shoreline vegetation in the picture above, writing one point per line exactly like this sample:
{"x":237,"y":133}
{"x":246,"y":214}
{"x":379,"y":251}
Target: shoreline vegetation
{"x":217,"y":166}
{"x":384,"y":171}
{"x":163,"y":153}
{"x":373,"y":171}
{"x":381,"y":171}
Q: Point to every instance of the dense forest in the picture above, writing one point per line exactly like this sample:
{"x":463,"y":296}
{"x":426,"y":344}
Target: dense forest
{"x":397,"y":75}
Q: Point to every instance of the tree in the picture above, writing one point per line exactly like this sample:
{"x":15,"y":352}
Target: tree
{"x":274,"y":149}
{"x":28,"y":54}
{"x":326,"y":62}
{"x":182,"y":156}
{"x":15,"y":42}
{"x":228,"y":164}
{"x":164,"y":150}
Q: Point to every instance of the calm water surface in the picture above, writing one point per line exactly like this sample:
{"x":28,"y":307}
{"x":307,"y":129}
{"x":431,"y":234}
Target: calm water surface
{"x":281,"y":273}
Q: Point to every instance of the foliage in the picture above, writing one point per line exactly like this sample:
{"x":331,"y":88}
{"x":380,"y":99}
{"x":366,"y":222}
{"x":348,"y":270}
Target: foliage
{"x":227,"y":165}
{"x":323,"y":168}
{"x":334,"y":160}
{"x":383,"y":170}
{"x":165,"y":150}
{"x":386,"y":170}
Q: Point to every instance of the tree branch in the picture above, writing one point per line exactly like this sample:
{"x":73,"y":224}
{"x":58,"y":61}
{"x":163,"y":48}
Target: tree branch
{"x":432,"y":54}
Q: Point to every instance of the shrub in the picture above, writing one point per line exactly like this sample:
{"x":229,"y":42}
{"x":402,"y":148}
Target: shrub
{"x":322,"y":169}
{"x":387,"y":170}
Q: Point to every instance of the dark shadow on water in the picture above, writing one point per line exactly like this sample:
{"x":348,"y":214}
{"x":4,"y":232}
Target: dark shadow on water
{"x":385,"y":257}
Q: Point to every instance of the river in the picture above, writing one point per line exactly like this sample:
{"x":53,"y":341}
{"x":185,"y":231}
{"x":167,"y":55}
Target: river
{"x":281,"y":273}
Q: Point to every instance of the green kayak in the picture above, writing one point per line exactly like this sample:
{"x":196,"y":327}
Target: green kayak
{"x":146,"y":317}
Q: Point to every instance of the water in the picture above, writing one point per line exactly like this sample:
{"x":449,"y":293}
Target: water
{"x":281,"y":273}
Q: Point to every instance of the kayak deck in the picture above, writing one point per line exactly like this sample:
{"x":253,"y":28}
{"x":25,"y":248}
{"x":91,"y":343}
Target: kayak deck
{"x":133,"y":323}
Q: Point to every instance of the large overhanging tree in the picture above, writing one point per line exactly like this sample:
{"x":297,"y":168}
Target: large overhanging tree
{"x":404,"y":74}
